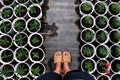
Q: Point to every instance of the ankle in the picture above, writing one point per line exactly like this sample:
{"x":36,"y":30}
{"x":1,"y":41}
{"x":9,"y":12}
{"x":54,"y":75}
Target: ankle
{"x":66,"y":67}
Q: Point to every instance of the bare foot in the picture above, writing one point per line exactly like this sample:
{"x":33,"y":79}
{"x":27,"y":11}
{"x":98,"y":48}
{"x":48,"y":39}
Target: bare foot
{"x":66,"y":63}
{"x":58,"y":61}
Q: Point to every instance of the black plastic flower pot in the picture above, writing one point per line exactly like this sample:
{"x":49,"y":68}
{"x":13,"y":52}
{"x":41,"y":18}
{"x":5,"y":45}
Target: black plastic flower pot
{"x":5,"y":41}
{"x":114,"y":22}
{"x":115,"y":50}
{"x":6,"y":56}
{"x":88,"y":65}
{"x":6,"y":26}
{"x":115,"y":66}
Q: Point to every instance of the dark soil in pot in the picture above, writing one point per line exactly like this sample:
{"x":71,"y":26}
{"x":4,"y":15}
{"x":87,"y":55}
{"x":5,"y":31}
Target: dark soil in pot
{"x":115,"y":36}
{"x":7,"y":13}
{"x":7,"y":2}
{"x":103,"y":78}
{"x":116,"y":77}
{"x":115,"y":51}
{"x":22,"y":1}
{"x":114,"y":22}
{"x":115,"y":65}
{"x":101,"y":22}
{"x":5,"y":27}
{"x":100,"y":8}
{"x":7,"y":56}
{"x":34,"y":11}
{"x":20,"y":11}
{"x":36,"y":1}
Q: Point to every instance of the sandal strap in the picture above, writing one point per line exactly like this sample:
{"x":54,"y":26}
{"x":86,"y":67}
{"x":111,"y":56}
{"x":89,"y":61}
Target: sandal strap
{"x":57,"y":58}
{"x":67,"y":58}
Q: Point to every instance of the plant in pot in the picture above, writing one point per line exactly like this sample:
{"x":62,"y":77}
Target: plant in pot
{"x":103,"y":77}
{"x":114,"y":36}
{"x":114,"y":22}
{"x":102,"y":36}
{"x":88,"y":51}
{"x":115,"y":51}
{"x":88,"y":65}
{"x":35,"y":40}
{"x":87,"y":21}
{"x":19,"y":24}
{"x":6,"y":56}
{"x":101,"y":8}
{"x":37,"y":69}
{"x":22,"y":1}
{"x":35,"y":11}
{"x":115,"y":66}
{"x":101,"y":22}
{"x":5,"y":41}
{"x":5,"y":26}
{"x":20,"y":39}
{"x":87,"y":35}
{"x":115,"y":76}
{"x":114,"y":8}
{"x":6,"y":12}
{"x":102,"y":51}
{"x":7,"y":70}
{"x":102,"y":66}
{"x":7,"y":2}
{"x":37,"y":2}
{"x":22,"y":70}
{"x":86,"y":7}
{"x":36,"y":55}
{"x":20,"y":10}
{"x":33,"y":25}
{"x":21,"y":54}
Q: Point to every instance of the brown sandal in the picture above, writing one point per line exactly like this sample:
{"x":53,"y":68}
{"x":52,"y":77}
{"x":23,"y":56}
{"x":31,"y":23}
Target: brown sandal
{"x":66,"y":56}
{"x":58,"y":57}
